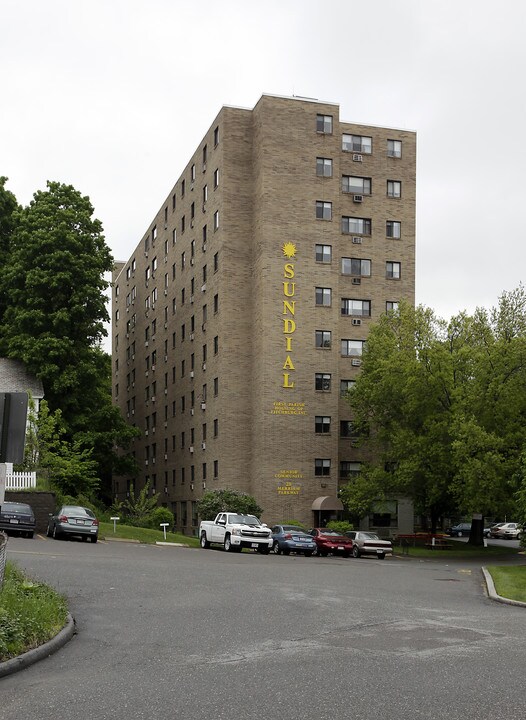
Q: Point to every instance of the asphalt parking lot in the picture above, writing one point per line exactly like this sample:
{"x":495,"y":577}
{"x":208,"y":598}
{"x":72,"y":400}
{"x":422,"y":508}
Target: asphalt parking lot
{"x":190,"y":633}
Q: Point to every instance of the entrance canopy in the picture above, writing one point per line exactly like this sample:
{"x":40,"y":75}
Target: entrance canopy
{"x":327,"y":502}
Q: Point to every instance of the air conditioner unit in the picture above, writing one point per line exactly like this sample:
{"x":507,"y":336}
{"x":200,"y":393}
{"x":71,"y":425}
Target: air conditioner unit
{"x":191,"y":448}
{"x":166,"y":391}
{"x":192,"y":411}
{"x":203,"y":327}
{"x":146,"y":462}
{"x":191,"y":299}
{"x":191,"y":373}
{"x":165,"y":293}
{"x":133,"y":412}
{"x":203,"y":406}
{"x":192,"y":261}
{"x":153,"y":398}
{"x":203,"y":446}
{"x":357,"y":158}
{"x":146,"y":343}
{"x":357,"y":240}
{"x":192,"y":223}
{"x":358,"y":198}
{"x":203,"y":287}
{"x":191,"y":486}
{"x":357,"y":281}
{"x":356,"y":321}
{"x":153,"y":368}
{"x":204,"y":486}
{"x":204,"y":247}
{"x":166,"y":358}
{"x":165,"y":456}
{"x":146,"y":432}
{"x":203,"y":366}
{"x":192,"y":336}
{"x":356,"y":362}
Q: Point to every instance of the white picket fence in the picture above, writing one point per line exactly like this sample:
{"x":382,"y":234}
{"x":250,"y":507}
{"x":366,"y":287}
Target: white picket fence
{"x":20,"y":480}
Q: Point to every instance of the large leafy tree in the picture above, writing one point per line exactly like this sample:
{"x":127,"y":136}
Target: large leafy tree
{"x":8,"y":206}
{"x":217,"y":501}
{"x":444,"y":405}
{"x":55,"y":276}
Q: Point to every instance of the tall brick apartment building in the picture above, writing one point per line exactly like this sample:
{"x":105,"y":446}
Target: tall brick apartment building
{"x":240,"y":317}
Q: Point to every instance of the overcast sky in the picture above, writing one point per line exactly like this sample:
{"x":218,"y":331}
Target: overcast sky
{"x":113,"y":96}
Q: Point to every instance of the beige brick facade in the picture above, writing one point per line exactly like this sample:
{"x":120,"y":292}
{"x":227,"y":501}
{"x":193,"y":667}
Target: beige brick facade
{"x":215,"y":329}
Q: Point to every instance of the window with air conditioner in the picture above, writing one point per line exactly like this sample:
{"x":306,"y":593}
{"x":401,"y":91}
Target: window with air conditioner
{"x":352,"y":348}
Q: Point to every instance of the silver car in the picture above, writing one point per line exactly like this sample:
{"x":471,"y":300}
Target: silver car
{"x":73,"y":520}
{"x":368,"y":543}
{"x":506,"y":531}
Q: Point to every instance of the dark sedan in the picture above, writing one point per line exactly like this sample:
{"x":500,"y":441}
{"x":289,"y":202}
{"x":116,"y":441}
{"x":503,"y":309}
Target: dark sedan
{"x":330,"y":541}
{"x":73,"y":520}
{"x":460,"y":530}
{"x":17,"y":519}
{"x":291,"y":538}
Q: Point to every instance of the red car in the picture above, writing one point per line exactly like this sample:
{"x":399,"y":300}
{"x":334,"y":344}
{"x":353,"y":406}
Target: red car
{"x":329,"y":541}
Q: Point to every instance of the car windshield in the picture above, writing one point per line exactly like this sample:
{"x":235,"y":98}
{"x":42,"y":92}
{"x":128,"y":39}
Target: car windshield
{"x":244,"y":519}
{"x":368,"y":536}
{"x":330,"y":532}
{"x":293,"y":528}
{"x":16,"y":508}
{"x":75,"y":510}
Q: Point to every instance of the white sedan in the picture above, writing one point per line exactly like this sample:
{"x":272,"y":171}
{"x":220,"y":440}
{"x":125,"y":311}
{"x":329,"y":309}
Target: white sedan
{"x":507,"y":531}
{"x":368,"y":543}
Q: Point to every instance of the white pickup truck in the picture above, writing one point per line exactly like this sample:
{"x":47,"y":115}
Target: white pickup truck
{"x":235,"y":531}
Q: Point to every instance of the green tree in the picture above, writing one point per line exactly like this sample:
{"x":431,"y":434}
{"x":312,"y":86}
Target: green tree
{"x":444,"y":405}
{"x":138,"y":508}
{"x":216,"y":501}
{"x":54,"y":278}
{"x":8,"y":207}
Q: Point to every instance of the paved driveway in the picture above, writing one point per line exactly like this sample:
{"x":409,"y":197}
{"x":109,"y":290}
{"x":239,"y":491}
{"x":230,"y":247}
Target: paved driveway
{"x":195,"y":634}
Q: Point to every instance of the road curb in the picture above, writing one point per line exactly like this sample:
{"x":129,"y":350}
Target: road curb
{"x":42,"y":651}
{"x":108,"y":538}
{"x":490,"y":586}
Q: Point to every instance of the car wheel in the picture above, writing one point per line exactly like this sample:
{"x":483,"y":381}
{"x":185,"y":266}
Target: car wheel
{"x":84,"y":538}
{"x":48,"y":531}
{"x":204,"y":542}
{"x":381,"y":556}
{"x":56,"y":533}
{"x":356,"y":551}
{"x":93,"y":538}
{"x":227,"y":544}
{"x":276,"y":549}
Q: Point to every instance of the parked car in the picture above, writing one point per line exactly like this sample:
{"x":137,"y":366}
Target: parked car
{"x":329,"y":541}
{"x":368,"y":543}
{"x":459,"y":530}
{"x":506,"y":531}
{"x":17,"y":519}
{"x":73,"y":520}
{"x":291,"y":538}
{"x":487,"y":531}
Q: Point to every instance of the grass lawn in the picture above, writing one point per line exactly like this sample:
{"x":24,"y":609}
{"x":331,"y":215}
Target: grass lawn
{"x":30,"y":613}
{"x":143,"y":535}
{"x":458,"y":551}
{"x":510,"y":582}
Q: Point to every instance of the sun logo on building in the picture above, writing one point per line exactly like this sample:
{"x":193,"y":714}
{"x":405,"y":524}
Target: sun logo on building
{"x":289,"y":250}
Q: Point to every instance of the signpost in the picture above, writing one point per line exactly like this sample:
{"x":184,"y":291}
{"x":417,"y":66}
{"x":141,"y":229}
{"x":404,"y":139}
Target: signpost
{"x":115,"y":523}
{"x":164,"y":526}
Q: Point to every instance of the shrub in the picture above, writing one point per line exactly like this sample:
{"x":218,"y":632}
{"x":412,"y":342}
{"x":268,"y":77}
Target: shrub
{"x":340,"y":526}
{"x":216,"y":501}
{"x":161,"y":515}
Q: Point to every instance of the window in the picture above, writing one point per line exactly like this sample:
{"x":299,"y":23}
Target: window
{"x":352,"y":184}
{"x":322,"y":424}
{"x":216,"y":345}
{"x":205,"y":194}
{"x":349,"y":469}
{"x":216,"y":468}
{"x":359,"y":267}
{"x":216,"y":303}
{"x":323,"y":253}
{"x":358,"y":308}
{"x":323,"y":210}
{"x":394,"y":148}
{"x":216,"y":178}
{"x":391,"y":306}
{"x":322,"y":382}
{"x":322,"y":467}
{"x":192,"y":173}
{"x":216,"y":219}
{"x":183,"y":224}
{"x":205,"y":156}
{"x":324,"y":124}
{"x":323,"y":167}
{"x":323,"y":296}
{"x":192,"y":211}
{"x":346,"y":386}
{"x":216,"y":262}
{"x":393,"y":229}
{"x":392,"y":270}
{"x":356,"y":226}
{"x":182,"y":188}
{"x":347,"y":429}
{"x":216,"y":136}
{"x":323,"y":338}
{"x":357,"y":143}
{"x":394,"y":188}
{"x":352,"y":348}
{"x":216,"y":387}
